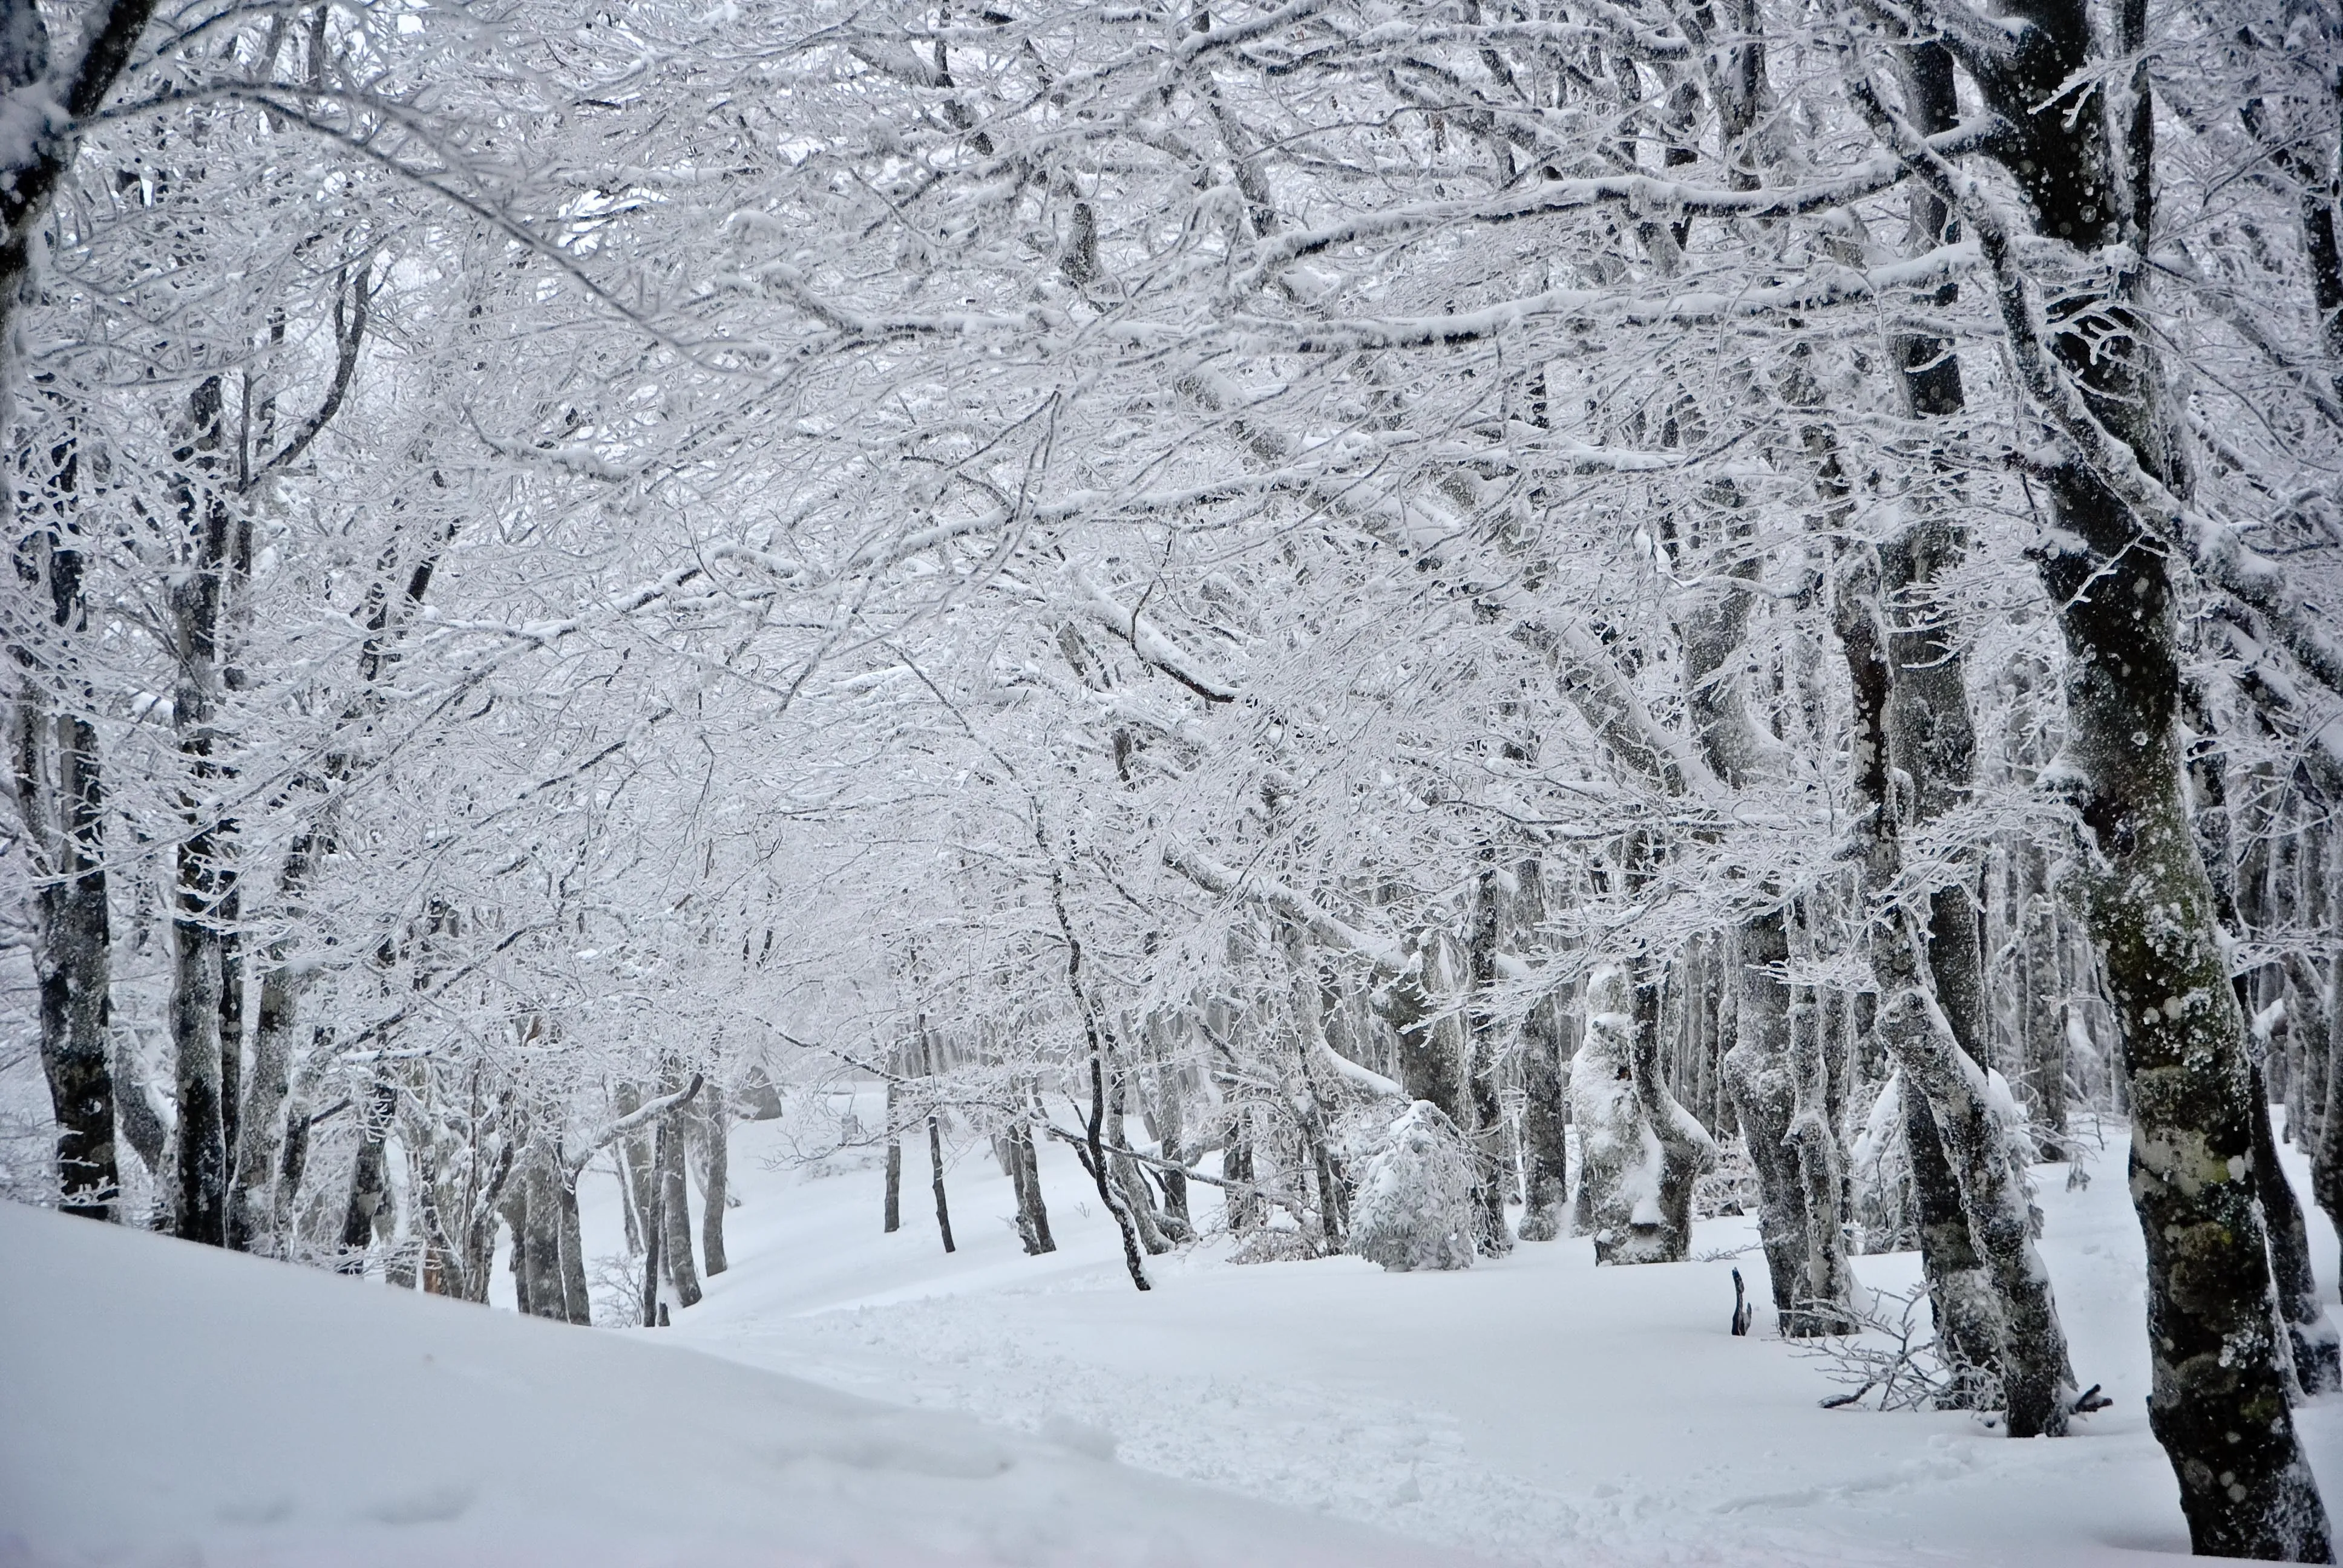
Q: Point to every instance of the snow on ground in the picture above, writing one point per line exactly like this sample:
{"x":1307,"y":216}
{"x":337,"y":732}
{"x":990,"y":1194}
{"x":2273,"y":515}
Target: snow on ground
{"x":1534,"y":1408}
{"x":166,"y":1403}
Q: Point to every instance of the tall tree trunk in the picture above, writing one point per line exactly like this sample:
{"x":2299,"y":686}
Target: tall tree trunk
{"x":1826,"y":1287}
{"x":200,"y":1200}
{"x":654,"y":1247}
{"x":1492,"y":1138}
{"x":894,"y":1156}
{"x":370,"y":1176}
{"x":936,"y":1178}
{"x":537,"y":1239}
{"x":61,"y":802}
{"x":1764,"y":1101}
{"x":577,"y":1299}
{"x":717,"y":1129}
{"x":2037,"y":1381}
{"x":675,"y":1214}
{"x":1546,"y":1119}
{"x":253,"y":1215}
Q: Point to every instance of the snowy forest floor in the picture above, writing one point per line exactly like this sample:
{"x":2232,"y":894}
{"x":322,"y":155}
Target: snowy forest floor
{"x":161,"y":1402}
{"x":1533,"y":1408}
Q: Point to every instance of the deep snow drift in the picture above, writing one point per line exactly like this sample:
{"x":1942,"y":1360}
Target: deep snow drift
{"x":159,"y":1400}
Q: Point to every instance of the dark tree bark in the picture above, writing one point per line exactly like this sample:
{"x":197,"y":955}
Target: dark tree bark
{"x":200,"y":1200}
{"x":61,"y":801}
{"x":537,"y":1239}
{"x":253,"y":1215}
{"x":936,"y":1178}
{"x":655,"y":1230}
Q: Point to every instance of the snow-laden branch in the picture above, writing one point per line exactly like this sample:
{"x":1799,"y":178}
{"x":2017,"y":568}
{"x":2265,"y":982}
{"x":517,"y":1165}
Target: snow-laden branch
{"x":574,"y":1165}
{"x":1389,"y":958}
{"x":1829,"y":285}
{"x":1149,"y":641}
{"x":1643,"y":193}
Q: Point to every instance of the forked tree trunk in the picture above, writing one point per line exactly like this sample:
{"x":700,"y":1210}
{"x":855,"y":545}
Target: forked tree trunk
{"x":1025,"y":1175}
{"x":252,"y":1214}
{"x":1827,"y":1286}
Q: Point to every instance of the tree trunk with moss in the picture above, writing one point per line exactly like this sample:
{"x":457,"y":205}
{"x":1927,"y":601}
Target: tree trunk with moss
{"x":2218,"y":1402}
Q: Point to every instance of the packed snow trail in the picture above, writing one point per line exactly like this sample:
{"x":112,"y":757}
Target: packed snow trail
{"x":1532,"y":1409}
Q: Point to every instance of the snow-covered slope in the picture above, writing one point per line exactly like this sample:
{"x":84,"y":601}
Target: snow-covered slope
{"x":167,"y":1404}
{"x":1535,"y":1408}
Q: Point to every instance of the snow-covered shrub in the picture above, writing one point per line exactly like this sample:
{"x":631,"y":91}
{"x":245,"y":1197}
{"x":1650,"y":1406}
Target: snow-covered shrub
{"x":1413,"y":1208}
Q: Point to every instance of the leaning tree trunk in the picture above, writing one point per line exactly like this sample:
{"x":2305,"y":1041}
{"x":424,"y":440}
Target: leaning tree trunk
{"x":1911,"y":712}
{"x":1025,"y":1174}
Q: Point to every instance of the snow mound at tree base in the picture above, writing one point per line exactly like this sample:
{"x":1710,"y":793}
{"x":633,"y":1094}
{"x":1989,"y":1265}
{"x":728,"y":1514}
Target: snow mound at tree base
{"x":164,"y":1403}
